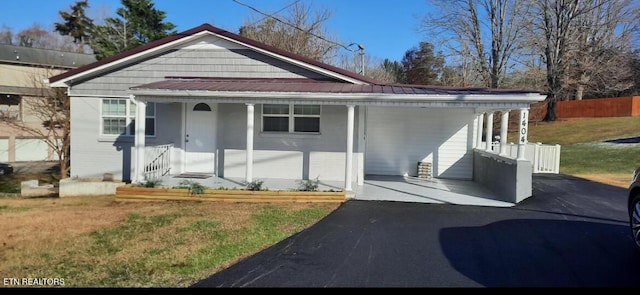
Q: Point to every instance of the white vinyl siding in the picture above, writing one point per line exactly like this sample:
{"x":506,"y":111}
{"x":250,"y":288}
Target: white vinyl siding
{"x":399,"y":138}
{"x":285,"y":156}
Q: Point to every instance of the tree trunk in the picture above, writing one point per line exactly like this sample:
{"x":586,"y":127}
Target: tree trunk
{"x":579,"y":91}
{"x":551,"y":111}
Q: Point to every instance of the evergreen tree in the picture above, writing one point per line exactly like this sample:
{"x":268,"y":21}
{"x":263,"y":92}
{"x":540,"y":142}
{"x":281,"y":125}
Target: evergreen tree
{"x":76,"y":23}
{"x":138,"y":22}
{"x":395,"y":70}
{"x":421,"y":65}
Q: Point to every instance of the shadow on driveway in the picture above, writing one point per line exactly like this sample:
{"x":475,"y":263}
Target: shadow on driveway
{"x":543,"y":253}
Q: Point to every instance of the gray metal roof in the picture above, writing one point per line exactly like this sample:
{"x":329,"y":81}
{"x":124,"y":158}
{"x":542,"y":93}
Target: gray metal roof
{"x":43,"y":57}
{"x":310,"y":86}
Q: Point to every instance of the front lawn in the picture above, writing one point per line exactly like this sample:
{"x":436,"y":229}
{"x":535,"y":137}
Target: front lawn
{"x":98,"y":242}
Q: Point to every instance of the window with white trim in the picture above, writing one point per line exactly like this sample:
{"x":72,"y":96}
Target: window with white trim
{"x":292,"y":118}
{"x":119,"y":117}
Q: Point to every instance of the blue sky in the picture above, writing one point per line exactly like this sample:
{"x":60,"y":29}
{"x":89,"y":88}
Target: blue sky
{"x":385,"y":28}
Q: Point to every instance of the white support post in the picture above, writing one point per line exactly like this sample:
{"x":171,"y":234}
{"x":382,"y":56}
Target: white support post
{"x":556,"y":159}
{"x":523,"y":130}
{"x":504,"y":126}
{"x":141,"y":110}
{"x":489,"y":132}
{"x":479,"y":130}
{"x":249,"y":171}
{"x":348,"y":171}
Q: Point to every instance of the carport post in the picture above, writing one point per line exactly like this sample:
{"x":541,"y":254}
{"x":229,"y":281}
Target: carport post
{"x":504,"y":126}
{"x":348,"y":171}
{"x":141,"y":111}
{"x":479,"y":130}
{"x":489,"y":136}
{"x":249,"y":170}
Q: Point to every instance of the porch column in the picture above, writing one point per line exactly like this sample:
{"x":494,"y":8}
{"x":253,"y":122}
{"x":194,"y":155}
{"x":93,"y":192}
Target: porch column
{"x":504,"y":127}
{"x":479,"y":130}
{"x":249,"y":171}
{"x":348,"y":171}
{"x":489,"y":133}
{"x":522,"y":133}
{"x":141,"y":110}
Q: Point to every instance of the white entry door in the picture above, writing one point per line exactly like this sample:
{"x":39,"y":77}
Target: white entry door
{"x":200,"y":141}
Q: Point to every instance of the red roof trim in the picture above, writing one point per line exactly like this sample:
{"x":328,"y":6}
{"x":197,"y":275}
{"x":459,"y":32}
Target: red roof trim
{"x":215,"y":30}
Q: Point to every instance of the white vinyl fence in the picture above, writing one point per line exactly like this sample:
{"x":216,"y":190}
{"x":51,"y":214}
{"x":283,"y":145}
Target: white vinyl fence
{"x":545,"y":158}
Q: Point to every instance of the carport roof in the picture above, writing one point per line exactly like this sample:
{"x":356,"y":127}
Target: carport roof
{"x":296,"y":85}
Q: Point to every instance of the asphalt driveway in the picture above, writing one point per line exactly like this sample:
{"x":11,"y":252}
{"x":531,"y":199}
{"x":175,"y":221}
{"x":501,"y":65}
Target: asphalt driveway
{"x":571,"y":233}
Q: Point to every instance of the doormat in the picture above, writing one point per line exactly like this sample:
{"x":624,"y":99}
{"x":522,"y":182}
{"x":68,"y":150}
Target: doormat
{"x":191,"y":175}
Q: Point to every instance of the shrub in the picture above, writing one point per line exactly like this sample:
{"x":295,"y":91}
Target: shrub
{"x":309,"y":185}
{"x":255,"y":185}
{"x":194,"y":187}
{"x":152,"y":182}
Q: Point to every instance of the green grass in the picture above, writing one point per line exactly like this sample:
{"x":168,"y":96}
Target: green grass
{"x":7,"y":208}
{"x":597,"y":159}
{"x":173,"y":248}
{"x":266,"y":229}
{"x":583,"y":150}
{"x":9,"y":186}
{"x":584,"y":130}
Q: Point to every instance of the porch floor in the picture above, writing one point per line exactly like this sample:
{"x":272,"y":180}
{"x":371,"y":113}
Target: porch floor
{"x":375,"y":188}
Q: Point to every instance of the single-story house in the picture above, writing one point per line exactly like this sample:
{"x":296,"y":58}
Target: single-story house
{"x":227,"y":105}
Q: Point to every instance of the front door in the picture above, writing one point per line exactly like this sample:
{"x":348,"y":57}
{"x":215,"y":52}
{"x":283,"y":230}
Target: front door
{"x":200,"y":138}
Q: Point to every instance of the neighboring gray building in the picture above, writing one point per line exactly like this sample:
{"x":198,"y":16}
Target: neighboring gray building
{"x":22,"y":71}
{"x":222,"y":104}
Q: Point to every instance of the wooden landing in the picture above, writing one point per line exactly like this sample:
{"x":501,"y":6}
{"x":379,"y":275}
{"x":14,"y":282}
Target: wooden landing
{"x":129,"y":193}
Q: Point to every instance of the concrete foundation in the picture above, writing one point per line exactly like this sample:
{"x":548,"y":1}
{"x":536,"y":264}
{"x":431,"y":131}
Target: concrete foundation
{"x":70,"y":187}
{"x":32,"y":189}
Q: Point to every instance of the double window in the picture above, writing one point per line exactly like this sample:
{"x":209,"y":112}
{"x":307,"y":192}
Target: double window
{"x":119,"y":117}
{"x":291,"y":118}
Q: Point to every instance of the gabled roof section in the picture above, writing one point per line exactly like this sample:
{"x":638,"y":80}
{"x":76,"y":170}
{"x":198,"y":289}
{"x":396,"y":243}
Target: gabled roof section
{"x":158,"y":45}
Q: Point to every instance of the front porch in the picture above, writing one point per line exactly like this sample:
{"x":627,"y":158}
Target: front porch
{"x":375,"y":188}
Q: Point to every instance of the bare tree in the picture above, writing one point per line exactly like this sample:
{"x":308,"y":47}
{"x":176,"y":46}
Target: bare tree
{"x":37,"y":36}
{"x":6,"y":35}
{"x":600,"y":51}
{"x":485,"y":31}
{"x":301,"y":30}
{"x":574,"y":37}
{"x":373,"y":67}
{"x":44,"y":114}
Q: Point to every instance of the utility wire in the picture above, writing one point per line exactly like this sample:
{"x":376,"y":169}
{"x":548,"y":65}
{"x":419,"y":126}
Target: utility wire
{"x":264,"y":17}
{"x":295,"y":27}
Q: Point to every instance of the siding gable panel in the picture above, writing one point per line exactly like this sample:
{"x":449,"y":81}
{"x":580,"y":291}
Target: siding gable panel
{"x":205,"y":57}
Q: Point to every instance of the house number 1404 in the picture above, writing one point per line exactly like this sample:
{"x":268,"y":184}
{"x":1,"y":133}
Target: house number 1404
{"x":523,"y":132}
